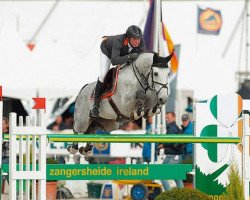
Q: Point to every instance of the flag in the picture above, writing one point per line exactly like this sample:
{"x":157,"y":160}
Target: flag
{"x":170,"y":47}
{"x":209,"y":21}
{"x":31,"y":46}
{"x":164,"y":37}
{"x":148,"y":33}
{"x":40,"y":103}
{"x":1,"y":93}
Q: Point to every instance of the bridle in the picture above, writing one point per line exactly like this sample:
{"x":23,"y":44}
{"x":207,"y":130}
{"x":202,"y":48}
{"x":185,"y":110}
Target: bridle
{"x":144,"y":80}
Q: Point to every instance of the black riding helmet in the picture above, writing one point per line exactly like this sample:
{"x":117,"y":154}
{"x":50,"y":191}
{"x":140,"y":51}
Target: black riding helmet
{"x":134,"y":31}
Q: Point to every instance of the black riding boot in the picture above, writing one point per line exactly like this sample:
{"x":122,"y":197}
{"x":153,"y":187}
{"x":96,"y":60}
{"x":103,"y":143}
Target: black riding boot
{"x":94,"y":112}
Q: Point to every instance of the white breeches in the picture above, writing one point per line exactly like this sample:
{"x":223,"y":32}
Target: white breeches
{"x":105,"y":65}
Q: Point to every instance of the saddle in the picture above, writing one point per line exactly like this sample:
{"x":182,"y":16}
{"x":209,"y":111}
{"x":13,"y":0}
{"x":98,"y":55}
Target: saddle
{"x":109,"y":87}
{"x":109,"y":84}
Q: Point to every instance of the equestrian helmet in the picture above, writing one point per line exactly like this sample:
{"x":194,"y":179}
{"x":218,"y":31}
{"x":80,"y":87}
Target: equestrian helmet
{"x":134,"y":31}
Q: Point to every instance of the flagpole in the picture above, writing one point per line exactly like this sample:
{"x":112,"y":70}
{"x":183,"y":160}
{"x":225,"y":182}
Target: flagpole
{"x":156,"y":26}
{"x":155,"y":49}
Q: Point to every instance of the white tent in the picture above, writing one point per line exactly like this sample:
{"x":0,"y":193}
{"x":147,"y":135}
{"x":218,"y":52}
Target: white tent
{"x":66,"y":55}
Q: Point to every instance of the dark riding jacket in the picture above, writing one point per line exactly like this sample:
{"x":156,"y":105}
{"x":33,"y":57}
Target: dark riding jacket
{"x":173,"y":148}
{"x":116,"y":48}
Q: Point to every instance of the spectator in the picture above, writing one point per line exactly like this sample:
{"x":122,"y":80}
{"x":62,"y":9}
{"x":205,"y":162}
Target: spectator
{"x":146,"y":151}
{"x":187,"y":128}
{"x":68,"y":122}
{"x":5,"y":146}
{"x":58,"y":125}
{"x":173,"y":151}
{"x":5,"y":149}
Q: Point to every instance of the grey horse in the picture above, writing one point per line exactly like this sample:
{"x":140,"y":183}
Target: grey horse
{"x":142,"y":89}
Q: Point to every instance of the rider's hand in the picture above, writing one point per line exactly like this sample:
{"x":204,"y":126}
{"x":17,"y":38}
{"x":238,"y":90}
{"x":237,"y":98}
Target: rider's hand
{"x":133,"y":56}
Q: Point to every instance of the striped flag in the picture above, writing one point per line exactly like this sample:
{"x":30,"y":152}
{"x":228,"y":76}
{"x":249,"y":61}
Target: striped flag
{"x":164,"y":37}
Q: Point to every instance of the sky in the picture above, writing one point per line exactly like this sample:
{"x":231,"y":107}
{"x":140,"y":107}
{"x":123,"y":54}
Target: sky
{"x":67,"y":49}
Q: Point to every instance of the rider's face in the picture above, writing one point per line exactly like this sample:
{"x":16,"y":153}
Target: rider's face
{"x":134,"y":42}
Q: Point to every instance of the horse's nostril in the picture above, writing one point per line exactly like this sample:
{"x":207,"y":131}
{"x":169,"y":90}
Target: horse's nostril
{"x":160,"y":99}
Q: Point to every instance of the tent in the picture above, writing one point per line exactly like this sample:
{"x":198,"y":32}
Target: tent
{"x":66,"y":54}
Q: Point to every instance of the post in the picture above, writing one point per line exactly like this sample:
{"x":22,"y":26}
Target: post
{"x":246,"y":154}
{"x":32,"y":131}
{"x":42,"y":156}
{"x":152,"y":157}
{"x":20,"y":194}
{"x":27,"y":161}
{"x":12,"y":157}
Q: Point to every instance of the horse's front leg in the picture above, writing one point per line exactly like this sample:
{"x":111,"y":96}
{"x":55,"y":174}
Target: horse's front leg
{"x":139,"y":105}
{"x":152,"y":111}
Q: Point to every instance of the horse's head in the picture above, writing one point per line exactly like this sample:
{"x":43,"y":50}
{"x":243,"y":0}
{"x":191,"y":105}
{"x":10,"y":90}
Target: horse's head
{"x":156,"y":71}
{"x":161,"y":73}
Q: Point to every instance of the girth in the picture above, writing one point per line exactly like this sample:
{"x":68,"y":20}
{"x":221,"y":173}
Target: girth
{"x":120,"y":116}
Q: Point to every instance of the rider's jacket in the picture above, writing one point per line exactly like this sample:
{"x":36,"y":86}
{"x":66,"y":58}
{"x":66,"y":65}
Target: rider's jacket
{"x":116,"y":48}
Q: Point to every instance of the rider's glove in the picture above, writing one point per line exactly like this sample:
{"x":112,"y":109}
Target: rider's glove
{"x":133,"y":56}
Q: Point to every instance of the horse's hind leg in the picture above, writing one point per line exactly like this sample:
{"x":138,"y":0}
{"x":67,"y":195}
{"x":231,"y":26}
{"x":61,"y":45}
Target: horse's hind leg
{"x":72,"y":149}
{"x":87,"y":150}
{"x":100,"y":124}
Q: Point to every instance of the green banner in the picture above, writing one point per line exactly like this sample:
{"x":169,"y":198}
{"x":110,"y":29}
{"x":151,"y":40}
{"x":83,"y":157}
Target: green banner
{"x":118,"y":172}
{"x":114,"y":172}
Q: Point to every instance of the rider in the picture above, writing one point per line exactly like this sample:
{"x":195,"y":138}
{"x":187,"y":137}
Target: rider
{"x":117,"y":50}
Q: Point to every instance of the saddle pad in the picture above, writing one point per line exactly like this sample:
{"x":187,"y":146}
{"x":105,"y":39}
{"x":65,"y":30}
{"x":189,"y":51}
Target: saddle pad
{"x":109,"y":85}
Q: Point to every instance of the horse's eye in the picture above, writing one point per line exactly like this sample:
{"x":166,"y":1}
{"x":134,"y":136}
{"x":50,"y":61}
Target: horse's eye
{"x":155,"y":73}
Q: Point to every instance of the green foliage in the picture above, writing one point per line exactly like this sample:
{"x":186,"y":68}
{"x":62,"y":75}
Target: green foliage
{"x":189,"y":160}
{"x":183,"y":194}
{"x":51,"y":161}
{"x":235,"y":189}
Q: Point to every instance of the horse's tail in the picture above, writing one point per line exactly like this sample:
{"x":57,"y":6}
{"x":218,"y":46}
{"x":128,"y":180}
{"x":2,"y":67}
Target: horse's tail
{"x":81,"y":90}
{"x":75,"y":132}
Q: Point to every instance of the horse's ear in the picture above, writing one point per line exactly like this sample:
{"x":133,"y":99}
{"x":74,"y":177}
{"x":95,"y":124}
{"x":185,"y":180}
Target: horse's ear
{"x":168,"y":58}
{"x":155,"y":58}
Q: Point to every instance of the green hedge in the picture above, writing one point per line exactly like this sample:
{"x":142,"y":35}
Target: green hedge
{"x":183,"y":194}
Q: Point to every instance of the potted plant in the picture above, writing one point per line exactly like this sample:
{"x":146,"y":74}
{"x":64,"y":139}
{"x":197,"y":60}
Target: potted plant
{"x":188,"y":183}
{"x":94,"y":189}
{"x":183,"y":194}
{"x":51,"y":185}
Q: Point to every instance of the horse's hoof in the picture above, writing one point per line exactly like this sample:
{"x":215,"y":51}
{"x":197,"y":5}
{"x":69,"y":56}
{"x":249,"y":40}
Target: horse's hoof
{"x":86,"y":150}
{"x":72,"y":150}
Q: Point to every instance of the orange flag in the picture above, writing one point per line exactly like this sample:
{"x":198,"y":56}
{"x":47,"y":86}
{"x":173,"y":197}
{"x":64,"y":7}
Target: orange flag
{"x":170,"y":45}
{"x":40,"y":103}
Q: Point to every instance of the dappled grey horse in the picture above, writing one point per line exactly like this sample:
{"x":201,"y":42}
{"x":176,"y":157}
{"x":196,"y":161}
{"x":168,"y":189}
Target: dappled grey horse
{"x":142,"y":89}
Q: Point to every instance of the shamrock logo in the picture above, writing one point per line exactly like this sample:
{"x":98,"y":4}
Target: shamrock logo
{"x":227,"y":111}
